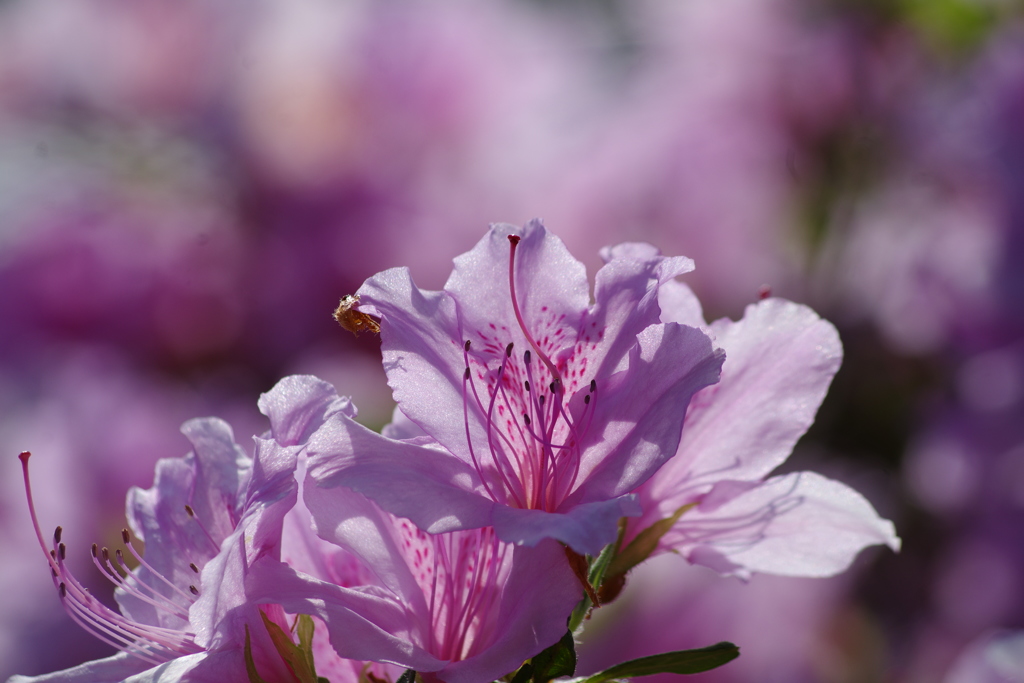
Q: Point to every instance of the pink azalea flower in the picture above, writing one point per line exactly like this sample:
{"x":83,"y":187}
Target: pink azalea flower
{"x":543,"y":411}
{"x":737,"y":519}
{"x":183,"y":610}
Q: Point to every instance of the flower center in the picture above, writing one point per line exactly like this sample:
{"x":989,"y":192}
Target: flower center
{"x":531,"y":457}
{"x":152,"y":644}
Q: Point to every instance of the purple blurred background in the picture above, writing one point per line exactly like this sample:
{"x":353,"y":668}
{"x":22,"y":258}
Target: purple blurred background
{"x":188,"y":188}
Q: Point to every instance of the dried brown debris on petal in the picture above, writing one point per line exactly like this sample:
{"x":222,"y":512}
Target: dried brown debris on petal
{"x":352,"y":319}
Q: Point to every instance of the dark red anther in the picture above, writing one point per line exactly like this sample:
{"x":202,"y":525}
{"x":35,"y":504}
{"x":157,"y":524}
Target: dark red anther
{"x":553,"y":387}
{"x":593,"y":385}
{"x":467,"y":345}
{"x":95,"y":549}
{"x":586,"y":399}
{"x":105,"y":553}
{"x":526,"y":357}
{"x":63,"y":591}
{"x":541,"y":399}
{"x":62,"y":550}
{"x":125,"y":537}
{"x":508,"y":350}
{"x":56,"y":534}
{"x":190,"y":511}
{"x":195,"y":591}
{"x":465,"y":375}
{"x":193,"y":567}
{"x":527,"y":384}
{"x":526,"y":418}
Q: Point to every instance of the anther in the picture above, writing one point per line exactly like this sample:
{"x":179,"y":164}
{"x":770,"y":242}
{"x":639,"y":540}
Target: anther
{"x":593,"y":385}
{"x":541,"y":399}
{"x":195,"y":591}
{"x":465,"y":375}
{"x":62,"y":550}
{"x":63,"y":591}
{"x":95,"y":549}
{"x":526,"y":357}
{"x":508,"y":350}
{"x":125,"y":537}
{"x":526,"y":418}
{"x":105,"y":553}
{"x":56,"y":534}
{"x":190,"y":511}
{"x":193,"y":567}
{"x":586,"y":399}
{"x":53,"y":554}
{"x":553,"y":387}
{"x":467,"y":345}
{"x":119,"y":555}
{"x":527,"y":383}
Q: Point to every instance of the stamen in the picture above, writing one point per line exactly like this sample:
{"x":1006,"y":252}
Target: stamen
{"x":209,"y":536}
{"x":152,"y":644}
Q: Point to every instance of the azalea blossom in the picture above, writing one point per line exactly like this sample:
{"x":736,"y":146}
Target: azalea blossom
{"x":729,"y":513}
{"x":208,"y":517}
{"x":541,"y":410}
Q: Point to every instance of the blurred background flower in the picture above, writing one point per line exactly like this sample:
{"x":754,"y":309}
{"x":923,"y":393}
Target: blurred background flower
{"x":187,"y":189}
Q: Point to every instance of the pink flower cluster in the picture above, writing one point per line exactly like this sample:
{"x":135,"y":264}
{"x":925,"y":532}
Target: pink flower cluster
{"x":546,"y":440}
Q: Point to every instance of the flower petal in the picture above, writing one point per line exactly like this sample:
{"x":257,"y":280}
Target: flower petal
{"x":626,"y":295}
{"x":781,"y":358}
{"x":113,"y":669}
{"x":540,"y":593}
{"x":362,"y":625}
{"x":800,"y":524}
{"x":638,"y":413}
{"x":426,"y":485}
{"x":586,"y":528}
{"x":299,"y":404}
{"x":421,"y":345}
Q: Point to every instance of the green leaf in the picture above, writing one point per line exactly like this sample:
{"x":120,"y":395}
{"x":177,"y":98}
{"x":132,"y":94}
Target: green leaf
{"x":293,"y":655}
{"x":408,"y":676}
{"x":641,"y":547}
{"x":556,"y":661}
{"x":250,"y":665}
{"x":681,"y":662}
{"x":304,"y":628}
{"x":524,"y":674}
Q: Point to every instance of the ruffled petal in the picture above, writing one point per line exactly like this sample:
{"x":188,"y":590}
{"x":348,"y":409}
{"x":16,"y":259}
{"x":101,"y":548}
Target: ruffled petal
{"x":585,"y":528}
{"x":299,"y":404}
{"x":436,"y":491}
{"x":421,"y":346}
{"x":551,"y":285}
{"x":800,"y":524}
{"x":208,"y":480}
{"x":638,"y":413}
{"x":781,"y":358}
{"x":626,"y":295}
{"x":113,"y":669}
